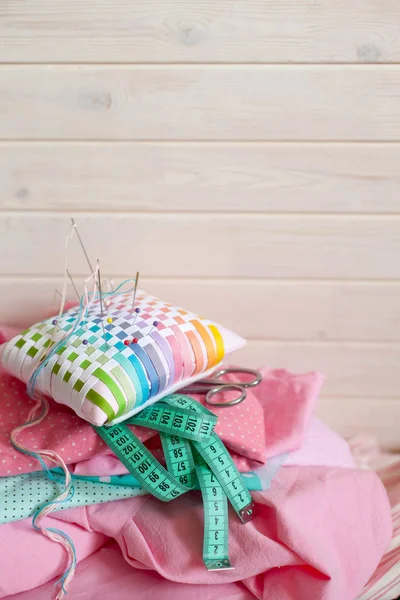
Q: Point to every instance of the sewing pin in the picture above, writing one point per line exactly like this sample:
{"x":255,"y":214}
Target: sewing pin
{"x":153,"y":326}
{"x":73,"y":285}
{"x":101,"y":302}
{"x":82,"y":246}
{"x":137,"y":311}
{"x":134,"y":291}
{"x":56,"y":293}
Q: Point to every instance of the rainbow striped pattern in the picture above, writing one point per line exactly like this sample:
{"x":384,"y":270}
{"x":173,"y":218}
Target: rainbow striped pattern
{"x":101,"y":374}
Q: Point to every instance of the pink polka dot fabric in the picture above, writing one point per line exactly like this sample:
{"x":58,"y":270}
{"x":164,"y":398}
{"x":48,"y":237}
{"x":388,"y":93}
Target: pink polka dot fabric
{"x":272,"y":420}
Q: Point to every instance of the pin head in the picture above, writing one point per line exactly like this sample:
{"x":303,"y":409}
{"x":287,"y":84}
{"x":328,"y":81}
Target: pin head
{"x":109,"y":320}
{"x":85,"y":342}
{"x":54,"y":321}
{"x":137,"y":310}
{"x":155,"y":323}
{"x":135,"y":341}
{"x":126,"y":342}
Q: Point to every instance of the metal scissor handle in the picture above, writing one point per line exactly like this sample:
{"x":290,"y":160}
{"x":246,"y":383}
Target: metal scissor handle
{"x":214,"y":386}
{"x":222,"y":388}
{"x":230,"y":371}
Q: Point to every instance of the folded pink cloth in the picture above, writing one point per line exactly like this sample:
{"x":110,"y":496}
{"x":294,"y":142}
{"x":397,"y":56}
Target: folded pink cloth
{"x":319,"y":533}
{"x":384,"y":584}
{"x":108,"y":576}
{"x":322,"y":447}
{"x":29,"y":559}
{"x":272,"y":420}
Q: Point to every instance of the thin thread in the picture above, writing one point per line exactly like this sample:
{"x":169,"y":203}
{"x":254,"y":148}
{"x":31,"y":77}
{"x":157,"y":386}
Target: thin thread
{"x":64,"y":289}
{"x":88,"y":301}
{"x":41,"y":365}
{"x":73,"y":284}
{"x":55,"y":535}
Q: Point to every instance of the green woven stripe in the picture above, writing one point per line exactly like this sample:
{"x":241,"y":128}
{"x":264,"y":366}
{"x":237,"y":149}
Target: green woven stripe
{"x":130,"y":370}
{"x":126,"y":385}
{"x":113,"y":387}
{"x":85,"y":364}
{"x":102,"y":359}
{"x":20,"y":343}
{"x":47,"y":343}
{"x":76,"y":343}
{"x":67,"y":376}
{"x":36,"y":337}
{"x":56,"y":368}
{"x":78,"y":385}
{"x":89,"y":350}
{"x":73,"y":356}
{"x":32,"y":351}
{"x":101,"y":402}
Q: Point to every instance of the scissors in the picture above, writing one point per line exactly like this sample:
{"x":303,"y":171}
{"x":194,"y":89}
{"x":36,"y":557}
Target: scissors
{"x":212,"y":387}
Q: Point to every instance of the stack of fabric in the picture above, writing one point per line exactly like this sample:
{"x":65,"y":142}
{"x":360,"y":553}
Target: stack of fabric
{"x":321,"y":528}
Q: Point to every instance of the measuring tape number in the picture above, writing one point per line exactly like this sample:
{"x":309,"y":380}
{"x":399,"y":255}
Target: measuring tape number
{"x":193,"y":454}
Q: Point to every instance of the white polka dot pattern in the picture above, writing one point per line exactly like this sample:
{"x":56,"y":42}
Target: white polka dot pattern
{"x":22,"y":495}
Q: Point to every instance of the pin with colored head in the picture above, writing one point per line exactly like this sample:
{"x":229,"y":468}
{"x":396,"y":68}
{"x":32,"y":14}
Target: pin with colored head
{"x":137,"y":311}
{"x":134,"y":291}
{"x":152,"y":327}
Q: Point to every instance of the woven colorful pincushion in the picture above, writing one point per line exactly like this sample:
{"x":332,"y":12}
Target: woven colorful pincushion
{"x":109,"y":364}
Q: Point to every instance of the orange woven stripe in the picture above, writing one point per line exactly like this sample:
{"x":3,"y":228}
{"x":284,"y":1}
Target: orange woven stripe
{"x":205,"y":336}
{"x":198,"y":353}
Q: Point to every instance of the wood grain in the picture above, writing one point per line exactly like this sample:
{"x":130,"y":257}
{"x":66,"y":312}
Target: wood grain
{"x":200,"y":102}
{"x":188,"y":144}
{"x":351,"y":369}
{"x":207,"y":31}
{"x":201,"y":177}
{"x":280,"y":310}
{"x":184,"y":245}
{"x":368,"y":416}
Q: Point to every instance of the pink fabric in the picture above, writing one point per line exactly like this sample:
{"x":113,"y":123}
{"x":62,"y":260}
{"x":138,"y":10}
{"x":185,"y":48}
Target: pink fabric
{"x":272,"y":420}
{"x":384,"y":584}
{"x":322,"y":447}
{"x":29,"y":559}
{"x":106,"y":575}
{"x":319,"y":533}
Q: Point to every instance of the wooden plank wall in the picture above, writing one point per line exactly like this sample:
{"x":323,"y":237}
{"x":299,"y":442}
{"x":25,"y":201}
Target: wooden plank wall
{"x":238,"y":153}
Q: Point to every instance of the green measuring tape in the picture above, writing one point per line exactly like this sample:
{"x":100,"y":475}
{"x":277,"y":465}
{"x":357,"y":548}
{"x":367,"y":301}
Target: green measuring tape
{"x":193,"y":453}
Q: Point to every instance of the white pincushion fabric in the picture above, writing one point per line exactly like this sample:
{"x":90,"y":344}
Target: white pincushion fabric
{"x":109,"y":366}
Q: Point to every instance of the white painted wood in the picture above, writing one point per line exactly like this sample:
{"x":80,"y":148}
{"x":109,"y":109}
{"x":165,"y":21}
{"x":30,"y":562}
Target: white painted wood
{"x":206,"y":177}
{"x":371,"y":416}
{"x":280,"y":310}
{"x":351,"y":369}
{"x":184,"y":245}
{"x":293,"y":243}
{"x":200,"y":102}
{"x":206,"y":31}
